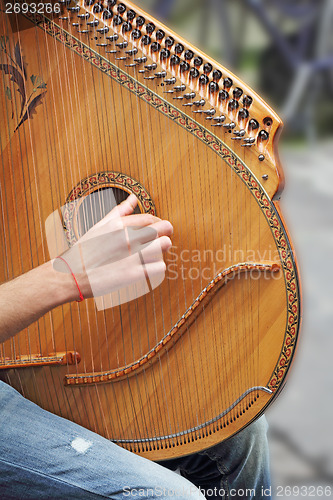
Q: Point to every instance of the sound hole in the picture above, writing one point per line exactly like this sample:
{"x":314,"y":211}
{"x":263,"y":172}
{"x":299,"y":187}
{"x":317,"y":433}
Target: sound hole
{"x":97,"y":205}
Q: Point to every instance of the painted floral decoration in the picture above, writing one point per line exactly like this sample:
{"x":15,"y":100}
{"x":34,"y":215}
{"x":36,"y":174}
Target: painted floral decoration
{"x":32,"y":89}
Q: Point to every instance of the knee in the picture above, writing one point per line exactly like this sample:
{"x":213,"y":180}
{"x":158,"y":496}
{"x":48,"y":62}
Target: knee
{"x":248,"y":446}
{"x":174,"y":486}
{"x":179,"y":489}
{"x":254,"y":437}
{"x":162,"y":483}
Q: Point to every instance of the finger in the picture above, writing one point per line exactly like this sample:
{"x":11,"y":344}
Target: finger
{"x":154,"y":268}
{"x":139,"y":220}
{"x":165,"y":243}
{"x":162,"y":228}
{"x":154,"y":250}
{"x":138,"y":236}
{"x":112,"y":222}
{"x":127,"y":206}
{"x":145,"y":234}
{"x":155,"y":273}
{"x":127,"y":273}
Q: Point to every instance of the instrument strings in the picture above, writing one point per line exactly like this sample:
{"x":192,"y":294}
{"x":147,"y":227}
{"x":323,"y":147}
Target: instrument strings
{"x":122,"y":133}
{"x":15,"y":344}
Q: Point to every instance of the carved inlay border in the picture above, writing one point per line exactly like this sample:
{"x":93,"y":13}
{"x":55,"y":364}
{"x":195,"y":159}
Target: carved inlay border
{"x":183,"y":120}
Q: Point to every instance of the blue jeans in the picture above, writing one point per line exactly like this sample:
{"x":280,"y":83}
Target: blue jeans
{"x":43,"y":456}
{"x":237,"y":468}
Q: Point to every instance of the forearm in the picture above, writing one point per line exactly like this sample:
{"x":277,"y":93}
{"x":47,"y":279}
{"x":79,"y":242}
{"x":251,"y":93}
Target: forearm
{"x":26,"y":298}
{"x":106,"y":267}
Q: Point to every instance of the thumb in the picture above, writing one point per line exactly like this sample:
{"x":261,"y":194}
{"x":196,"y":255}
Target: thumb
{"x":126,"y":207}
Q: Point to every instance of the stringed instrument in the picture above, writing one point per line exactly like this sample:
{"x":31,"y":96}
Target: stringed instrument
{"x":100,"y":99}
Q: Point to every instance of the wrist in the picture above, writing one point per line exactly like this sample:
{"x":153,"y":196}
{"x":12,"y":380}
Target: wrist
{"x":61,"y":284}
{"x":68,"y":268}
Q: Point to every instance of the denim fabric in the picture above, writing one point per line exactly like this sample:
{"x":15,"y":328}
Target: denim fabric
{"x":43,"y":456}
{"x":237,"y":468}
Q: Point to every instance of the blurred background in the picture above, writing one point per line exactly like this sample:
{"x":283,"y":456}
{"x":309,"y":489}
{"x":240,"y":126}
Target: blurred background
{"x":284,"y":50}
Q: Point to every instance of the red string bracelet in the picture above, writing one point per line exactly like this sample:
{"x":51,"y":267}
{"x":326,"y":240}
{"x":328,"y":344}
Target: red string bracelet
{"x":81,"y":296}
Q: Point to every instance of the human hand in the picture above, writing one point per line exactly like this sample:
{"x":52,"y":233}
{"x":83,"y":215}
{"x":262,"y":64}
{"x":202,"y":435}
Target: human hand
{"x":121,"y":254}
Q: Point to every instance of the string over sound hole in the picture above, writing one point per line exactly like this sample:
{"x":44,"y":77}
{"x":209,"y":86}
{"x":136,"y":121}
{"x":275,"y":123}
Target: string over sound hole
{"x":97,"y":205}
